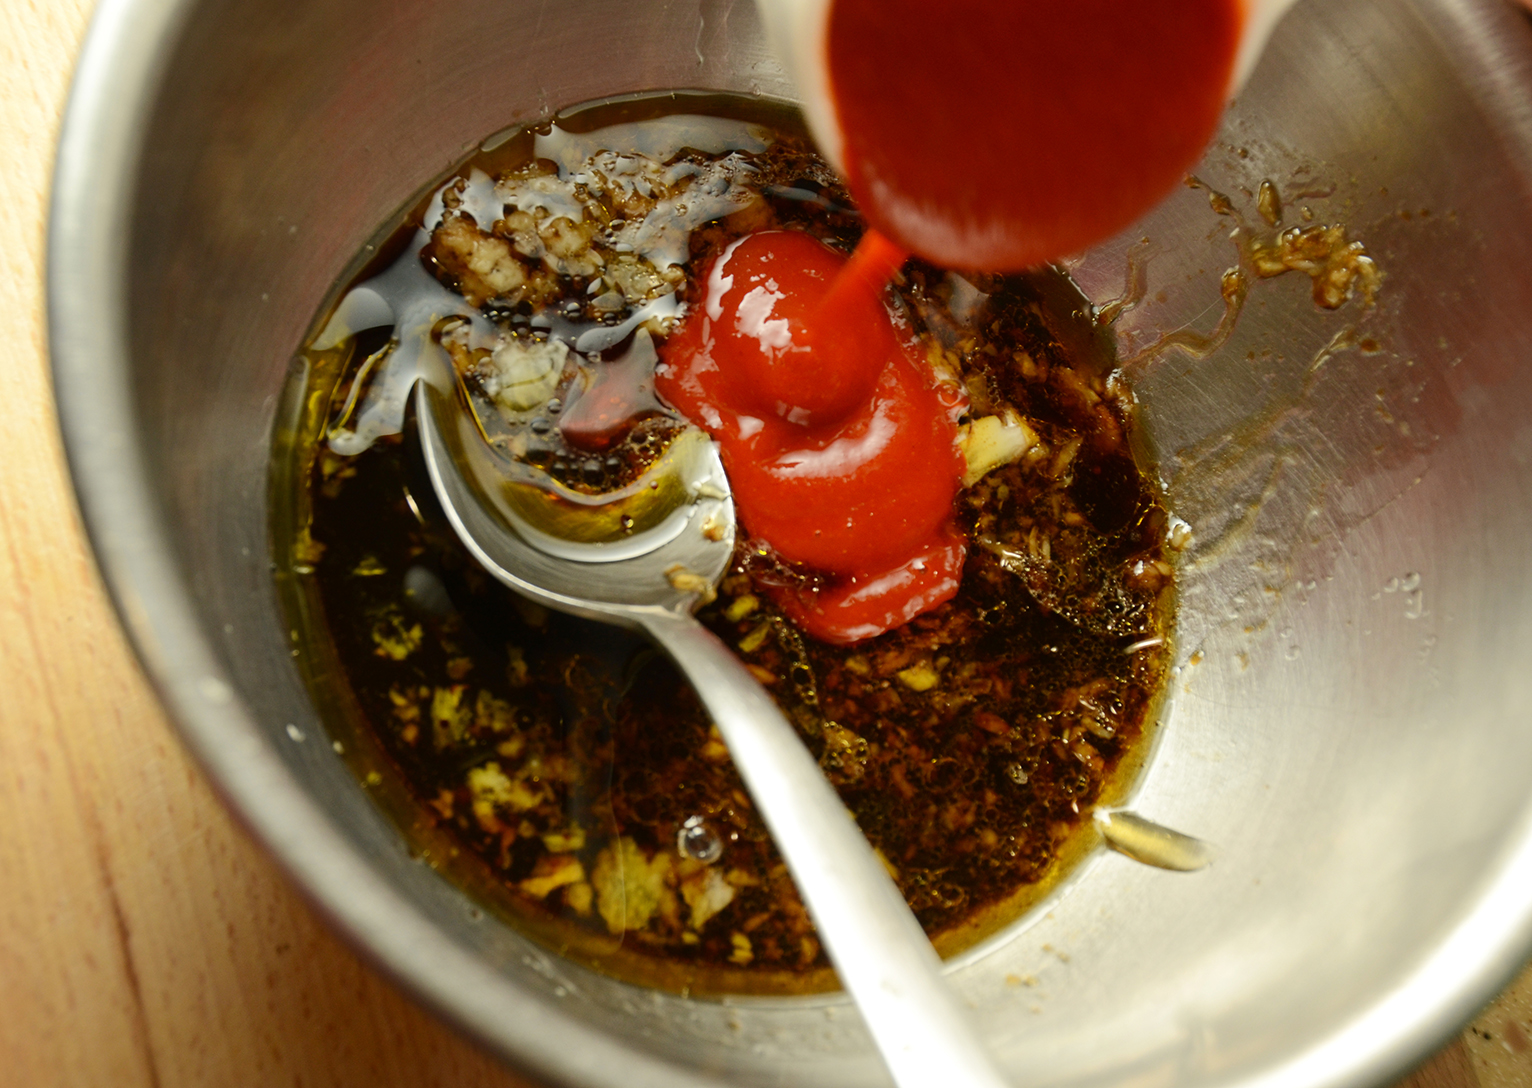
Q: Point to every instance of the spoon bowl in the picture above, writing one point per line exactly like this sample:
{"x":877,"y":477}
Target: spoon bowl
{"x":508,"y":516}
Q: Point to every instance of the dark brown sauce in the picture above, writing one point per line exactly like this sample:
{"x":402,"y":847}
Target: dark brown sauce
{"x":565,"y":774}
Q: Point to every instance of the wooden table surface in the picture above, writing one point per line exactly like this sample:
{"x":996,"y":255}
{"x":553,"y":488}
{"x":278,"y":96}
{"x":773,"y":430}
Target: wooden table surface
{"x":145,"y":941}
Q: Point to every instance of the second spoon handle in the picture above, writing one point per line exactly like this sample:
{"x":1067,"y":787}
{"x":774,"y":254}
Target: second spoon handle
{"x":883,"y":957}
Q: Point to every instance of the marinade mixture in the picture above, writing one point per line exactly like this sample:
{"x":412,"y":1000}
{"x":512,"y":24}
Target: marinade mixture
{"x":564,"y":771}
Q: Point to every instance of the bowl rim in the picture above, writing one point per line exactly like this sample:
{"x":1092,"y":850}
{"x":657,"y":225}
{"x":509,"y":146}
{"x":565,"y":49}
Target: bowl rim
{"x":126,"y":53}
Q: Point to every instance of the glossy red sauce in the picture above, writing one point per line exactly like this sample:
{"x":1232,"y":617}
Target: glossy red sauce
{"x":839,"y":445}
{"x":1002,"y":135}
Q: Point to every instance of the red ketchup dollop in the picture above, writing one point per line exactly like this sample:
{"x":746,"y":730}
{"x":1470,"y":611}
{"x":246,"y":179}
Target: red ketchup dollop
{"x":841,"y":448}
{"x":1001,"y":135}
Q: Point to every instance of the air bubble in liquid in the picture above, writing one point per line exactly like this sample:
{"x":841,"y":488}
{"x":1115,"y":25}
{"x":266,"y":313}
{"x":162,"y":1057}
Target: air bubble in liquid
{"x":697,"y":840}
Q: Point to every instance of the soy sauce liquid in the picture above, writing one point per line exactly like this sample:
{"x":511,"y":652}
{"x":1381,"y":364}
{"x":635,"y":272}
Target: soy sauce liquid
{"x":535,"y":759}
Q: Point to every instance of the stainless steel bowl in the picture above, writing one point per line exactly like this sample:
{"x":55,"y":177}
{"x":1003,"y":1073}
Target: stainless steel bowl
{"x":1352,"y":719}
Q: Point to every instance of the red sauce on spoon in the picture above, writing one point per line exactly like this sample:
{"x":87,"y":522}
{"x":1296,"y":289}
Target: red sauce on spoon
{"x":978,"y":134}
{"x":839,"y":445}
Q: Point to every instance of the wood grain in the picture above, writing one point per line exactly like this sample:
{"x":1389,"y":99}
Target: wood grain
{"x":145,"y":942}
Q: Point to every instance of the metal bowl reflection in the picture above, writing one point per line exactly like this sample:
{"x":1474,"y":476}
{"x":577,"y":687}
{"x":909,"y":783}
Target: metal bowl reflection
{"x":1352,"y":720}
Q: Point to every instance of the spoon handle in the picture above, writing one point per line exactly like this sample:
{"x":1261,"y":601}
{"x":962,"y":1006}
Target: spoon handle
{"x":883,"y":957}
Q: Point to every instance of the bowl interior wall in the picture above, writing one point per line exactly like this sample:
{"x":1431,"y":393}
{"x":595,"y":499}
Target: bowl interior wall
{"x":1350,"y":721}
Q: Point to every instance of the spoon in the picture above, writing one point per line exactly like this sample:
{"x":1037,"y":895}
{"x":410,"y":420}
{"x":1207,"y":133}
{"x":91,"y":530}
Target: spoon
{"x":649,"y":581}
{"x":1077,"y":116}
